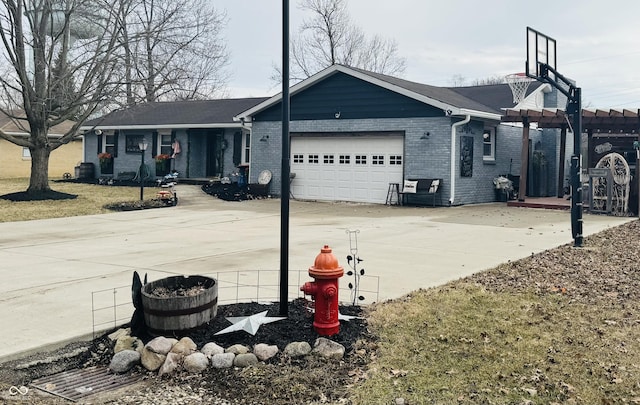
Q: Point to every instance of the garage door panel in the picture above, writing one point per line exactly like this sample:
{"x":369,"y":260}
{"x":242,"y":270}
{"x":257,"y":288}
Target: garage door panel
{"x":344,"y":180}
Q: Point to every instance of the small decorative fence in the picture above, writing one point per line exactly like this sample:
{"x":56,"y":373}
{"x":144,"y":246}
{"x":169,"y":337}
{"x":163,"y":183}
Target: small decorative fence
{"x":112,"y":307}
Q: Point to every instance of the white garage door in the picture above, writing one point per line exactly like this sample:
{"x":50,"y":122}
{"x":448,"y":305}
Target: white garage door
{"x":346,"y":168}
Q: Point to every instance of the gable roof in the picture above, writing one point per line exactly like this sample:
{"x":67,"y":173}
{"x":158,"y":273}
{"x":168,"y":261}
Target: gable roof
{"x":478,"y":101}
{"x":496,"y":96}
{"x":176,"y":114}
{"x":10,"y":126}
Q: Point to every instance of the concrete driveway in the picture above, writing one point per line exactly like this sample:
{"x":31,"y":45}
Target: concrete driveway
{"x":58,"y":273}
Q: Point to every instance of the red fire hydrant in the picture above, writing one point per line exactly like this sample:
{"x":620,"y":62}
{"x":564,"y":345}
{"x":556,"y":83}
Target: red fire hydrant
{"x":324,"y":292}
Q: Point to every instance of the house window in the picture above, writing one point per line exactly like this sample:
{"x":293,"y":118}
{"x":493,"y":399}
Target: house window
{"x":165,"y":145}
{"x":345,"y":159}
{"x":298,"y":158}
{"x":377,"y":160}
{"x":328,"y":159}
{"x":313,"y":159}
{"x":489,"y":145}
{"x":26,"y":153}
{"x":395,"y":160}
{"x":246,"y":147}
{"x":109,"y":144}
{"x":361,"y":159}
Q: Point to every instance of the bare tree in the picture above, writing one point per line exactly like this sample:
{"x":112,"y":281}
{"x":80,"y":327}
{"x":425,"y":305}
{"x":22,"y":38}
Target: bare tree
{"x":458,"y":80}
{"x":329,"y":37}
{"x":172,"y":50}
{"x":495,"y":79}
{"x":61,"y":55}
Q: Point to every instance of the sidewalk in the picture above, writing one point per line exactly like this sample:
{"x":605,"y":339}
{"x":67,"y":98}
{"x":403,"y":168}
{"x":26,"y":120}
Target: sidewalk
{"x":51,"y":267}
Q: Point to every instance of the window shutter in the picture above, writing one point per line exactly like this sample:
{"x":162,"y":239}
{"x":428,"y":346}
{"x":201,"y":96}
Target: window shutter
{"x":99,"y":137}
{"x":116,"y":135}
{"x":154,"y":144}
{"x":237,"y":148}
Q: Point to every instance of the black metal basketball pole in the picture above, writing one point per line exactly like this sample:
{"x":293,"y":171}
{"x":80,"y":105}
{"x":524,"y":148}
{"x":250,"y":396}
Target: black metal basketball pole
{"x":574,"y":109}
{"x":284,"y":181}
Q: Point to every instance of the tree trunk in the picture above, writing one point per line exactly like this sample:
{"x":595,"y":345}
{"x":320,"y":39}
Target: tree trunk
{"x":39,"y":180}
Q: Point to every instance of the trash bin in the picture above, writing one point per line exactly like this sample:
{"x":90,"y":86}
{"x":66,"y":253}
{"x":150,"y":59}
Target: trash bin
{"x":501,"y":195}
{"x":503,"y":188}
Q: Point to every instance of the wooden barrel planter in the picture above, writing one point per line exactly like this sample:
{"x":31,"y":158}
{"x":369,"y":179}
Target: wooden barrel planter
{"x":175,"y":305}
{"x":86,"y":170}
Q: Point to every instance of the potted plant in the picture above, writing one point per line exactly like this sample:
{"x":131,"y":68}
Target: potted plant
{"x":106,"y":162}
{"x":162,"y":164}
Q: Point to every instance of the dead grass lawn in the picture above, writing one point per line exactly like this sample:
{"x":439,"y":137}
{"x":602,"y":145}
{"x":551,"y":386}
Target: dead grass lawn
{"x":91,"y":200}
{"x":560,"y":327}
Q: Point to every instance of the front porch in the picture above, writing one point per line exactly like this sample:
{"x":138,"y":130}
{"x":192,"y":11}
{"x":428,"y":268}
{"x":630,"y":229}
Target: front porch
{"x":553,"y":203}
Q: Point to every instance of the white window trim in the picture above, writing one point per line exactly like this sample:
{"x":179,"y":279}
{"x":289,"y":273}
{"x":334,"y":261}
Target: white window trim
{"x":245,"y":159}
{"x":26,"y":153}
{"x":159,"y":143}
{"x":105,"y":144}
{"x":492,"y":142}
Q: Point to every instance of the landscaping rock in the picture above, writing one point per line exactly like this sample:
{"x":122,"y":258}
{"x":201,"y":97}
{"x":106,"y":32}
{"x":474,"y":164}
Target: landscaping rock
{"x":264,"y":351}
{"x":124,"y":361}
{"x":297,"y":349}
{"x":120,"y":332}
{"x":151,"y":360}
{"x":196,"y":362}
{"x":160,"y":345}
{"x":328,"y":348}
{"x":185,"y":346}
{"x":237,"y":349}
{"x":211,"y":349}
{"x":223,"y":360}
{"x":171,"y":364}
{"x":245,"y":360}
{"x":126,"y":342}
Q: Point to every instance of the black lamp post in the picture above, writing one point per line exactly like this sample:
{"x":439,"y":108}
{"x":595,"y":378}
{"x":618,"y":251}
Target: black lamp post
{"x":143,"y":144}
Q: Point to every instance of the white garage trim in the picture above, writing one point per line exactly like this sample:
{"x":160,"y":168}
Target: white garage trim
{"x":346,"y":166}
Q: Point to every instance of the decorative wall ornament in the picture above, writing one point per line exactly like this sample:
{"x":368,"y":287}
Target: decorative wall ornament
{"x":466,"y":156}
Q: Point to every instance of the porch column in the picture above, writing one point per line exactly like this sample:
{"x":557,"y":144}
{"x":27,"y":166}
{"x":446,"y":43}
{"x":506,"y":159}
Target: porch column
{"x":586,"y":159}
{"x":563,"y":146}
{"x":524,"y":159}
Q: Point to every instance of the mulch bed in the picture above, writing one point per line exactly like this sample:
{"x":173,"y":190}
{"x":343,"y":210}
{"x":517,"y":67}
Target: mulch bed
{"x":41,"y":196}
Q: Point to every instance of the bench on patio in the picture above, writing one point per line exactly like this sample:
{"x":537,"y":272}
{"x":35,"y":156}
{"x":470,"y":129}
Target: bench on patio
{"x":422,"y":191}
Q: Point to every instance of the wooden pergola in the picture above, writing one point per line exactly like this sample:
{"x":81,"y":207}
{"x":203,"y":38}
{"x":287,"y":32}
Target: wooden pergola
{"x":594,"y":121}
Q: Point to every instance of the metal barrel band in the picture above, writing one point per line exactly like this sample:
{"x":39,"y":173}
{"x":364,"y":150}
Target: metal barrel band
{"x":179,"y":312}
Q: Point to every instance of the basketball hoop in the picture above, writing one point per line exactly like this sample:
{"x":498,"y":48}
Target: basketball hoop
{"x":518,"y":82}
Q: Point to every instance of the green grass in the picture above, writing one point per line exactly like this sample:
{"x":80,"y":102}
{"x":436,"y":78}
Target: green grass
{"x":462,"y":344}
{"x":91,"y":200}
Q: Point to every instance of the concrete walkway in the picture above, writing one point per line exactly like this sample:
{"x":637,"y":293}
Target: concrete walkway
{"x":51,"y":267}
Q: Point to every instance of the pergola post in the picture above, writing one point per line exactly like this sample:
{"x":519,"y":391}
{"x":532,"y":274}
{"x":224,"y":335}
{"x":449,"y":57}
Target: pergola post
{"x":586,"y":159}
{"x":563,"y":153}
{"x":524,"y":160}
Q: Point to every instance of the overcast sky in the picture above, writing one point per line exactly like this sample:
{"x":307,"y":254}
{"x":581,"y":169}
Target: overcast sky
{"x":598,"y":43}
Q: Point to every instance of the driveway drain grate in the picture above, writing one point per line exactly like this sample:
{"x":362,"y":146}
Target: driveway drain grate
{"x":79,"y":383}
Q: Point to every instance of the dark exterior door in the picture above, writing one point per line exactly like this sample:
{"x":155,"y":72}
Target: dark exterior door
{"x":214,"y":154}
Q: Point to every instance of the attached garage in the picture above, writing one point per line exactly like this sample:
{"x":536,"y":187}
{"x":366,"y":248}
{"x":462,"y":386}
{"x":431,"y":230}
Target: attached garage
{"x":346,"y":166}
{"x":352,"y":132}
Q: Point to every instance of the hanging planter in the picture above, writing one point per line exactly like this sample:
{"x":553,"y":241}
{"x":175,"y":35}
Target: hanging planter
{"x":106,"y":163}
{"x":163,"y":164}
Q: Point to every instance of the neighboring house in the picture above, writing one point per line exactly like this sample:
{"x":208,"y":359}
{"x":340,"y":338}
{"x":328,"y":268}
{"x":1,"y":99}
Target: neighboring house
{"x":15,"y":161}
{"x":199,"y":139}
{"x":353,"y":132}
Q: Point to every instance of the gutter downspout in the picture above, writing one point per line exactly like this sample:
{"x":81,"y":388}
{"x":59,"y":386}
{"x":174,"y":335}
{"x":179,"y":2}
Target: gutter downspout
{"x":454,"y":127}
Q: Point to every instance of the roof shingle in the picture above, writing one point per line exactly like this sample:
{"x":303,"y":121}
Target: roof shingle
{"x":178,"y":113}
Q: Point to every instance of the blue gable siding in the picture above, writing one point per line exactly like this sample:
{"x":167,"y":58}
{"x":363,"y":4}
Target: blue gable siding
{"x":351,"y":98}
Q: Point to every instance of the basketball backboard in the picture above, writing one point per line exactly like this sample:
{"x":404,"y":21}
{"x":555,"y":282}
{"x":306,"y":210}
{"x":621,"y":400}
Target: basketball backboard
{"x":541,"y":53}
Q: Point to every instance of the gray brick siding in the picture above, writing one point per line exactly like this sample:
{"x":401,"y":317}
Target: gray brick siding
{"x":423,"y":158}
